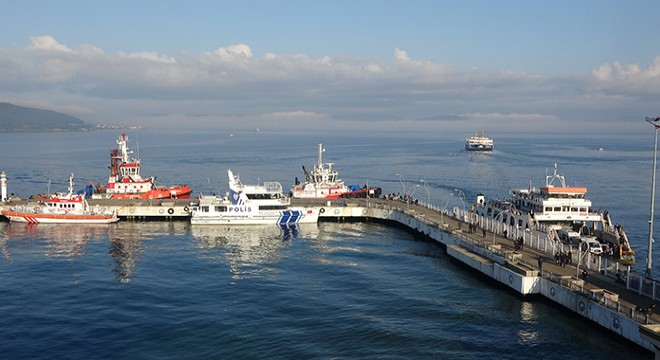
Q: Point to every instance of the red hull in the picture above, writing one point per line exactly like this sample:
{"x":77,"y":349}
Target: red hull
{"x":174,"y":192}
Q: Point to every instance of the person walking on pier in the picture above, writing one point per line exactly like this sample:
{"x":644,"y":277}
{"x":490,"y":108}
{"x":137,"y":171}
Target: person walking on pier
{"x":540,"y":263}
{"x":484,"y":235}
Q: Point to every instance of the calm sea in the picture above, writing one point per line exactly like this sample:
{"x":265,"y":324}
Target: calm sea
{"x":333,"y":290}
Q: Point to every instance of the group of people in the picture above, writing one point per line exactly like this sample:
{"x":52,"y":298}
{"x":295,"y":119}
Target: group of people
{"x":518,"y":243}
{"x":564,"y":257}
{"x":405,"y":198}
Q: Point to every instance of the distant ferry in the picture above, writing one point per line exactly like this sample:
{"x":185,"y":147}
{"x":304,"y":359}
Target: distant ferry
{"x":250,"y":205}
{"x":479,"y":142}
{"x":558,"y":211}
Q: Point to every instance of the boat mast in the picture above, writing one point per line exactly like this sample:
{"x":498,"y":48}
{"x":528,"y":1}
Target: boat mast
{"x":319,"y":164}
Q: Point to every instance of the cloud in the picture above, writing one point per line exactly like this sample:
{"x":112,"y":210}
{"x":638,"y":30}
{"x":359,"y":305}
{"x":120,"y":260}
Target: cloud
{"x":231,"y":86}
{"x":47,"y":43}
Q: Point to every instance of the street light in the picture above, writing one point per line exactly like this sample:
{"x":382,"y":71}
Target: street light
{"x":428,"y":194}
{"x":461,"y":196}
{"x":401,"y":178}
{"x":444,"y":204}
{"x":656,"y":124}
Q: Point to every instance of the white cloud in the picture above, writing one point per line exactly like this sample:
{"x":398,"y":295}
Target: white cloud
{"x":240,"y":89}
{"x":148,"y":55}
{"x":47,"y":43}
{"x":234,"y":51}
{"x":401,"y":55}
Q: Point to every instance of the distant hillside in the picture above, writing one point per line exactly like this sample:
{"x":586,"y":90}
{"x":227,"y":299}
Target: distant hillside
{"x":20,"y":119}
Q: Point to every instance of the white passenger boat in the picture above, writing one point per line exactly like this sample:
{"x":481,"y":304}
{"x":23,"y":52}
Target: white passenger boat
{"x":479,"y":142}
{"x":557,"y":209}
{"x":250,"y":205}
{"x":67,"y":208}
{"x":324,"y":182}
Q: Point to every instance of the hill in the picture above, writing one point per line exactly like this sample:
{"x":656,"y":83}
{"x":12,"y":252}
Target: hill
{"x":23,"y":119}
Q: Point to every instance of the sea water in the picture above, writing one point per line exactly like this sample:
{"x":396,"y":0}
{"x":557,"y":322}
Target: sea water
{"x":334,"y":290}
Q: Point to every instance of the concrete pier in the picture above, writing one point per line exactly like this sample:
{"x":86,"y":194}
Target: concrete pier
{"x":600,"y":299}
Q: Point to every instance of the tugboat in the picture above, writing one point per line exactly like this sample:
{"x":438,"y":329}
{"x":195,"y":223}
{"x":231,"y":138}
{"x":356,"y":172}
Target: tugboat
{"x":61,"y":208}
{"x":126,"y":182}
{"x":324,"y":183}
{"x":559,"y":213}
{"x":250,"y":205}
{"x":479,"y":142}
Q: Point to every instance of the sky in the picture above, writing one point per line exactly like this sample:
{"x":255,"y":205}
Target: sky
{"x":590,"y":66}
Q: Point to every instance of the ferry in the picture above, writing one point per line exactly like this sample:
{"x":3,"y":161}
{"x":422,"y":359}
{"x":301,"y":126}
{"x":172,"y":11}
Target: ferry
{"x":126,"y":182}
{"x":479,"y":142}
{"x":561,"y":213}
{"x":250,"y":205}
{"x":60,"y":208}
{"x":324,"y":183}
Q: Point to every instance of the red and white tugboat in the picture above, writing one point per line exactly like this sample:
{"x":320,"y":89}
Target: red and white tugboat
{"x":126,"y":182}
{"x":68,"y":208}
{"x":324,"y":182}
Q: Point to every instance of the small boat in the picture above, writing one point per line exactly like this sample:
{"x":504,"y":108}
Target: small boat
{"x":250,"y":205}
{"x":60,"y":208}
{"x":479,"y":142}
{"x":324,"y":182}
{"x":126,"y":182}
{"x":559,"y":213}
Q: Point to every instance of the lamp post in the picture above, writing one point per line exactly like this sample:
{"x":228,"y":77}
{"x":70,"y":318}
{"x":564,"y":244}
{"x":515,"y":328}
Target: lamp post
{"x":499,"y":216}
{"x":649,"y":260}
{"x":428,"y":194}
{"x":411,"y":191}
{"x":401,"y":178}
{"x":461,"y":196}
{"x":444,"y":204}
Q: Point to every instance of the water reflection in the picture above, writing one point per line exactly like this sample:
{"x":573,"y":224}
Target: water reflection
{"x":63,"y":240}
{"x":126,"y":243}
{"x":3,"y":242}
{"x":248,"y":248}
{"x":528,"y":333}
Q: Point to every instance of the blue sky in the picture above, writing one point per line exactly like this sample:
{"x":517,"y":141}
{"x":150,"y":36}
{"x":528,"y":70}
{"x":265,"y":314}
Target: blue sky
{"x":436,"y":65}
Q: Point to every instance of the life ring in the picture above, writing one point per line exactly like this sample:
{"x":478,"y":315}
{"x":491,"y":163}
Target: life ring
{"x":336,"y":211}
{"x":364,"y":211}
{"x":385,"y":213}
{"x":130,"y":210}
{"x":170,"y":211}
{"x":151,"y":197}
{"x":185,"y":208}
{"x":322,"y":210}
{"x":161,"y":211}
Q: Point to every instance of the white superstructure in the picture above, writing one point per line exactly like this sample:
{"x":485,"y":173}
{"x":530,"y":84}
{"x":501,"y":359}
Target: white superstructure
{"x":553,"y":210}
{"x":62,"y":208}
{"x":250,"y":204}
{"x":479,"y":142}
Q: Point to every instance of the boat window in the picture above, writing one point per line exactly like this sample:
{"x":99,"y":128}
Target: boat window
{"x":220,"y":209}
{"x":583,"y":209}
{"x":557,"y":208}
{"x":574,"y":209}
{"x":273,"y":207}
{"x":548,"y":208}
{"x":205,"y":209}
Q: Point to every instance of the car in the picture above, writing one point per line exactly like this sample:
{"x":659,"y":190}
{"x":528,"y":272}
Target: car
{"x":568,"y":236}
{"x":592,"y":244}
